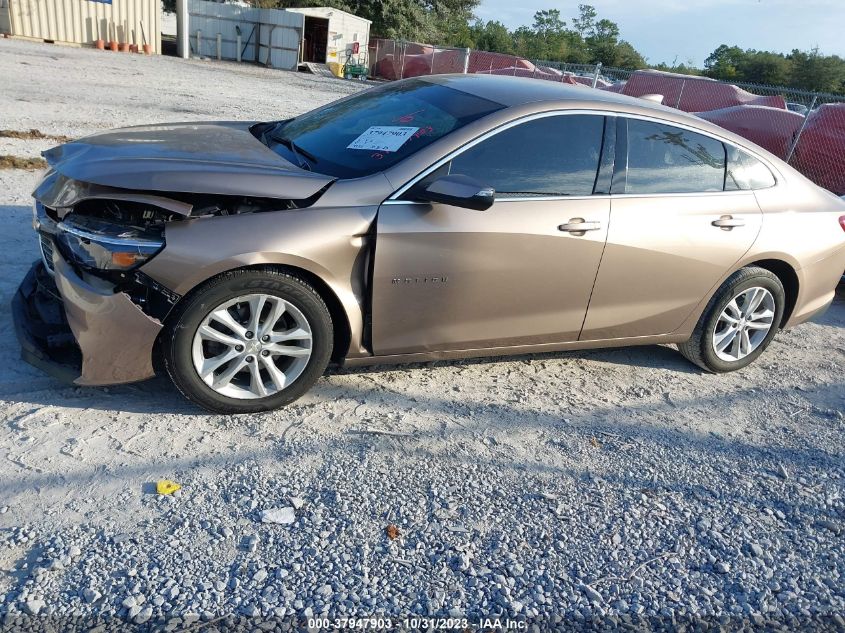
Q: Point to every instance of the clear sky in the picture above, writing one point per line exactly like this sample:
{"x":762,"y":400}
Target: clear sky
{"x":690,"y":29}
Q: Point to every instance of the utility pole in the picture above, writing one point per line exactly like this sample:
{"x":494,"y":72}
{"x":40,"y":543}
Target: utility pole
{"x":183,"y":46}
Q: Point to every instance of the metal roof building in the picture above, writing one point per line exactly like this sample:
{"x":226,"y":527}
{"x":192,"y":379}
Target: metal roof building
{"x":83,"y":22}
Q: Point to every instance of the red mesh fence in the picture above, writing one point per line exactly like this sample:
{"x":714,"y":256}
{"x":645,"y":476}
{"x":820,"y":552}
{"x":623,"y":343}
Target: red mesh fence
{"x":773,"y":129}
{"x":695,"y":94}
{"x":792,"y":124}
{"x":820,"y":151}
{"x":392,"y":59}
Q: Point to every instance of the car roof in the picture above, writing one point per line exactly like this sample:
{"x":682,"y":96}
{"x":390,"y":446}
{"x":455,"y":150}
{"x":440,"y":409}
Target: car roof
{"x":524,"y":91}
{"x":513,"y":91}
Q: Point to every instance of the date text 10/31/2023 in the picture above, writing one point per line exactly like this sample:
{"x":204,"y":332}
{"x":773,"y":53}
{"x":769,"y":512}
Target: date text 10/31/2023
{"x":422,"y":623}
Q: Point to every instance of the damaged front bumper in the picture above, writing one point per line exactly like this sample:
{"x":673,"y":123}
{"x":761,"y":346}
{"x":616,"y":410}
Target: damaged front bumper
{"x":42,"y":328}
{"x":81,"y":331}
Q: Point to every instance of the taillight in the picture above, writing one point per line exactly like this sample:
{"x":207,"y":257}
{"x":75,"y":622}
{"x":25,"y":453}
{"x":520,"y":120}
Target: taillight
{"x":842,"y":222}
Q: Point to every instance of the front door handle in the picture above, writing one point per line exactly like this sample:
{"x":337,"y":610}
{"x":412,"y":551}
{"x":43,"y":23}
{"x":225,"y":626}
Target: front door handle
{"x":727,"y":222}
{"x":579,"y":226}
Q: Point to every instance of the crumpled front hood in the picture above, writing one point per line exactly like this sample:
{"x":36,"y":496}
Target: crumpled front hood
{"x":209,"y":158}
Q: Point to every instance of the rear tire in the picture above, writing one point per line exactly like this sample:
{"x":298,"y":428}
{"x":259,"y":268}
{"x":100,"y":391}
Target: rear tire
{"x":717,"y":344}
{"x":210,"y":333}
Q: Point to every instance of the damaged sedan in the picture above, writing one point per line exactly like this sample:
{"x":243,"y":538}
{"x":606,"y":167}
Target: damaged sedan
{"x":445,"y":217}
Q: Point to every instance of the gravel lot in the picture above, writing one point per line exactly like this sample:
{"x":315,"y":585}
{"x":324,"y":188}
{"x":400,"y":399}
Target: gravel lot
{"x":577,"y":486}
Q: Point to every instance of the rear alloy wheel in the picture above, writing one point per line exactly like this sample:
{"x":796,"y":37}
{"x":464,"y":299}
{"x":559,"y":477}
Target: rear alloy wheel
{"x":739,"y":322}
{"x":744,"y":324}
{"x":248,"y":341}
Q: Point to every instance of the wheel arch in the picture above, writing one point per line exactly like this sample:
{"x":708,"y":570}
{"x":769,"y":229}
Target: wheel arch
{"x":337,"y":310}
{"x":788,"y":278}
{"x":780,"y":266}
{"x":340,"y":319}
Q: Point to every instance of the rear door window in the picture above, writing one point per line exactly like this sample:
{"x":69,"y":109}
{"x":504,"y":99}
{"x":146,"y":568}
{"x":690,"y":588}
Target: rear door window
{"x":550,"y":156}
{"x":667,"y":159}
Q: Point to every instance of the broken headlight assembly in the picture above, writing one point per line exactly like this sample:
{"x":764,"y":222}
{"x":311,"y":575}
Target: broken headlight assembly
{"x":107,"y":236}
{"x":104,"y":250}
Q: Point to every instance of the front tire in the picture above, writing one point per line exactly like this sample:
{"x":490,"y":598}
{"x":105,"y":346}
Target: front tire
{"x":248,"y":341}
{"x":740,"y":321}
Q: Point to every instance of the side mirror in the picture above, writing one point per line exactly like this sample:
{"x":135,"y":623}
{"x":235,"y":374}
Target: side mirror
{"x":459,"y":191}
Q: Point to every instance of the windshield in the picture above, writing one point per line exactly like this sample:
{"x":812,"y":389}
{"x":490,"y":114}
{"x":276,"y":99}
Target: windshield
{"x":376,"y":129}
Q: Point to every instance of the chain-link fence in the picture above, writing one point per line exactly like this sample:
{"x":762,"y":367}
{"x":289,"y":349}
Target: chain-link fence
{"x":806,"y":129}
{"x":603,"y":77}
{"x":394,"y":59}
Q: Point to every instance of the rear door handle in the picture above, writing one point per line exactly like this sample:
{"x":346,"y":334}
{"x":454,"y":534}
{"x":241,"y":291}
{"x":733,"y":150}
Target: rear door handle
{"x":727,"y":222}
{"x":579,"y":226}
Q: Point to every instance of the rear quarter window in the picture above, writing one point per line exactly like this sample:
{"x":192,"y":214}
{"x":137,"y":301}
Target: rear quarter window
{"x":746,"y":172}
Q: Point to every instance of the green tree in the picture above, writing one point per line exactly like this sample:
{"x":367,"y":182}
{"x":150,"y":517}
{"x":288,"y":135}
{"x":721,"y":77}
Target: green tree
{"x":451,"y":20}
{"x":764,"y":68}
{"x":813,"y":71}
{"x":723,"y":63}
{"x":603,"y":41}
{"x":550,"y":34}
{"x":431,"y":22}
{"x":585,"y":23}
{"x":808,"y":70}
{"x":684,"y":68}
{"x":547,"y":23}
{"x":493,"y":36}
{"x":526,"y":43}
{"x":628,"y":57}
{"x":576,"y":52}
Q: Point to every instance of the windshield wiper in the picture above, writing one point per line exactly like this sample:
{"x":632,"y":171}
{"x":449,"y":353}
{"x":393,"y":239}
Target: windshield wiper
{"x":297,"y":151}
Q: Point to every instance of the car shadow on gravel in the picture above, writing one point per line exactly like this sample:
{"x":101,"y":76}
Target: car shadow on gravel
{"x":835,"y":315}
{"x":159,"y":396}
{"x":154,"y":396}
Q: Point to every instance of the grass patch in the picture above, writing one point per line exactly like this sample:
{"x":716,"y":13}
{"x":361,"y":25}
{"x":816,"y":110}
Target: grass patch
{"x":33,"y":134}
{"x":16,"y":162}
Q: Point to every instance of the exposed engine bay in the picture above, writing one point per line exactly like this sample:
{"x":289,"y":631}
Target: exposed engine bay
{"x":109,"y":238}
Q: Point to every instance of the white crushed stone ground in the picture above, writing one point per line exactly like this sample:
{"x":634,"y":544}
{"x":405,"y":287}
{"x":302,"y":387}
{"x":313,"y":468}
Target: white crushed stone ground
{"x":536,"y":486}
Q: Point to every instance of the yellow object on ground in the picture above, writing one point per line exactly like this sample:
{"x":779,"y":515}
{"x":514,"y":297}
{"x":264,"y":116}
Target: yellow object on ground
{"x":167,"y":487}
{"x":337,"y":69}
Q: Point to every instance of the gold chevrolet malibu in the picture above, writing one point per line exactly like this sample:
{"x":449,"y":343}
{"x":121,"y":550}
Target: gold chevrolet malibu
{"x":432,"y":218}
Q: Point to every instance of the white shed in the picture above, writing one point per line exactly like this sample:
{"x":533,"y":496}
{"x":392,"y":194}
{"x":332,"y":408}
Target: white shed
{"x":330,"y":35}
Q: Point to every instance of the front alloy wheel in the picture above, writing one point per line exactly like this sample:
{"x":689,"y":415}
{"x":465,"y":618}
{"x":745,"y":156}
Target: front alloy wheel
{"x":248,"y":341}
{"x":252,"y":346}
